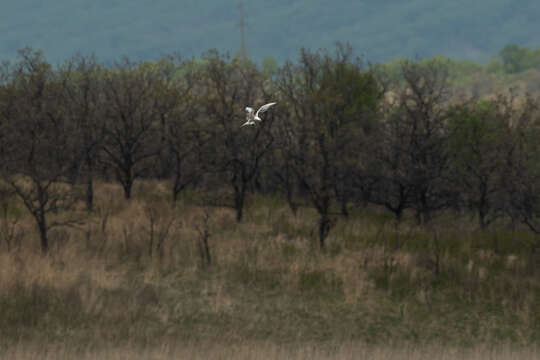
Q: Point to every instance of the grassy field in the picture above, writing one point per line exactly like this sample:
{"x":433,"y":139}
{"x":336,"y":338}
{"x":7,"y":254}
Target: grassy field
{"x":267,"y":351}
{"x":131,"y":282}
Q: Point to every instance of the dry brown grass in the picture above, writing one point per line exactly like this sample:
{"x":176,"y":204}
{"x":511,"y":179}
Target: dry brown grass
{"x":267,"y":351}
{"x":269,"y":291}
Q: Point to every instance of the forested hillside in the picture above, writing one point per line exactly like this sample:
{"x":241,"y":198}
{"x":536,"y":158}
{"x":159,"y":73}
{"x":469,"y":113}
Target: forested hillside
{"x":380,"y":30}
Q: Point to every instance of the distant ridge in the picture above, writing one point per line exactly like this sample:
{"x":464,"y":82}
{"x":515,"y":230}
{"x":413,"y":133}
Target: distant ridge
{"x":379,"y":30}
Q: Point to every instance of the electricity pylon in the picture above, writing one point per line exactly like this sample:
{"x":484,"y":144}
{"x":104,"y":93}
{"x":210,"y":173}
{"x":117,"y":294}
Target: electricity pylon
{"x":242,"y":24}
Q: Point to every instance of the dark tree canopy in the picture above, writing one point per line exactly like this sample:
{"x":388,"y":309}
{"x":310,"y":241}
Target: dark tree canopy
{"x":341,"y":135}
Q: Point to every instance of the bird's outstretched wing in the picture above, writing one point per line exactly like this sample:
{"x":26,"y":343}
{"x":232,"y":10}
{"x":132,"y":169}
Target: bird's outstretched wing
{"x":248,"y":123}
{"x":264,"y":108}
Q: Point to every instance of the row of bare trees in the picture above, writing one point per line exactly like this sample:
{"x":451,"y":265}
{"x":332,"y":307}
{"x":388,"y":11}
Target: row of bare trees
{"x":341,"y":136}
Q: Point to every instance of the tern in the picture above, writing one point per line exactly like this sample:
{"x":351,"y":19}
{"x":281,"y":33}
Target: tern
{"x":251,"y":117}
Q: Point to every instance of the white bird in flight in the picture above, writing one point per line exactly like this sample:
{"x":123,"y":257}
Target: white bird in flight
{"x":251,"y":117}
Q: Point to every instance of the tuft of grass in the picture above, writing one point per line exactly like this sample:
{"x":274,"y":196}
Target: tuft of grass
{"x":317,"y":283}
{"x":264,"y":350}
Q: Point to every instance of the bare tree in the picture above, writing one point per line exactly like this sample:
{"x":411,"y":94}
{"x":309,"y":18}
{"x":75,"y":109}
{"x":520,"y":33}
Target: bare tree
{"x":389,"y":179}
{"x":230,"y":87}
{"x":479,"y":144}
{"x":159,"y":228}
{"x":10,"y":232}
{"x":187,"y":135}
{"x":521,"y":173}
{"x":280,"y":163}
{"x":410,"y":158}
{"x":84,"y":95}
{"x":329,"y":98}
{"x":41,"y":150}
{"x":132,"y":113}
{"x":203,"y":228}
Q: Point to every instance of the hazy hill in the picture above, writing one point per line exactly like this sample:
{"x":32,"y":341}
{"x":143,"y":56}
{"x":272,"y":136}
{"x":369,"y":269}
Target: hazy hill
{"x":380,"y":30}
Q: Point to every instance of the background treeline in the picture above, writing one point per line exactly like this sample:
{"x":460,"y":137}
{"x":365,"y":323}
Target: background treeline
{"x":342,"y":135}
{"x":513,"y":67}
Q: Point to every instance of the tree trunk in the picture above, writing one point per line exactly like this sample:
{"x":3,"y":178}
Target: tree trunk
{"x":206,"y":249}
{"x":127,"y":190}
{"x":291,"y":202}
{"x":125,"y":178}
{"x":42,"y":227}
{"x":344,"y":209}
{"x":177,"y":188}
{"x":324,"y":230}
{"x":89,"y":183}
{"x":483,"y":208}
{"x":239,"y":204}
{"x":482,"y":220}
{"x":90,"y":193}
{"x":399,"y":214}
